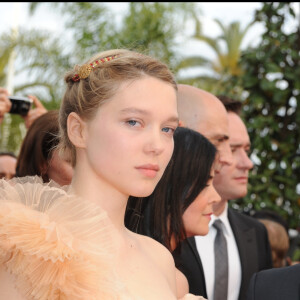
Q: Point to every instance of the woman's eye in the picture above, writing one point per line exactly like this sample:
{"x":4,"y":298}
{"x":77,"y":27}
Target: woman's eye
{"x":132,"y":122}
{"x":168,"y":130}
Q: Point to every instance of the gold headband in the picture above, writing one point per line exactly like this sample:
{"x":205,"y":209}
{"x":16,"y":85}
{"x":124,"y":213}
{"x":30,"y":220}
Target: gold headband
{"x":85,"y":70}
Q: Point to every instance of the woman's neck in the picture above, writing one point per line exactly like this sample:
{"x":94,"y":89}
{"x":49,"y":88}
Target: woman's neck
{"x":94,"y":189}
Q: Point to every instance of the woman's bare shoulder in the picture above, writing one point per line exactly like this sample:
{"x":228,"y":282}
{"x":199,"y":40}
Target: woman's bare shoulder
{"x":156,"y":249}
{"x":160,"y":256}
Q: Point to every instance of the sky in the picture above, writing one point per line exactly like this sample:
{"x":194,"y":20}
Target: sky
{"x":47,"y":18}
{"x":16,"y":14}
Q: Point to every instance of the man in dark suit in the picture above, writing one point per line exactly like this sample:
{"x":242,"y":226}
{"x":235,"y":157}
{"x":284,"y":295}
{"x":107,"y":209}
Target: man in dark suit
{"x":246,"y":239}
{"x":253,"y":251}
{"x":275,"y":284}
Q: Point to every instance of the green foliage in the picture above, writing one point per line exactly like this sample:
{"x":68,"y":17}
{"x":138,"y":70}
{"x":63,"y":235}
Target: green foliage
{"x":40,"y":60}
{"x":153,"y":28}
{"x":39,"y":57}
{"x":90,"y":27}
{"x":296,"y":255}
{"x":148,"y":27}
{"x":226,"y":63}
{"x":271,"y":80}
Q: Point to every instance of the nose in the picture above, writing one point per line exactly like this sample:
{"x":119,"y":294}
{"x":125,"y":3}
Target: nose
{"x":154,"y":145}
{"x":244,"y":161}
{"x":214,"y":196}
{"x":225,"y":154}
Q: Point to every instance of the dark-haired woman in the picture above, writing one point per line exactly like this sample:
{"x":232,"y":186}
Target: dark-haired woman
{"x":181,"y":204}
{"x":38,"y":154}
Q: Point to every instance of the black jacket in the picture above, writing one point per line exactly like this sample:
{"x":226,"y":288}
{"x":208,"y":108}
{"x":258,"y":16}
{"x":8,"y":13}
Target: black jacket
{"x":275,"y":284}
{"x":253,"y":246}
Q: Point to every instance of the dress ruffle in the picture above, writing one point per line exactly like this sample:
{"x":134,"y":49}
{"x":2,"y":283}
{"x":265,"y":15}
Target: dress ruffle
{"x":56,"y":244}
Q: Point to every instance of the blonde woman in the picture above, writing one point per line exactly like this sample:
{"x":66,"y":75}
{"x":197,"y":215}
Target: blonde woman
{"x":117,"y":120}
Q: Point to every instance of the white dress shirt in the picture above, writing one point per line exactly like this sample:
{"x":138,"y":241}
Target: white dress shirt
{"x":205,"y":247}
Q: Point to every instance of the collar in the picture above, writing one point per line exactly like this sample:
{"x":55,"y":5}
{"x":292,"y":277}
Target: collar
{"x":224,"y":218}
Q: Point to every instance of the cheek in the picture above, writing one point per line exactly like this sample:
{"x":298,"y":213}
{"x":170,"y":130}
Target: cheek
{"x":222,"y":176}
{"x":187,"y":219}
{"x":192,"y":217}
{"x":110,"y":151}
{"x":201,"y":202}
{"x":218,"y":179}
{"x":103,"y":142}
{"x":193,"y":223}
{"x":168,"y":151}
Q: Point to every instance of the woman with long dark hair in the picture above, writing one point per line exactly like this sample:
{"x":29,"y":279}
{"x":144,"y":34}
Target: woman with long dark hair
{"x":181,"y":204}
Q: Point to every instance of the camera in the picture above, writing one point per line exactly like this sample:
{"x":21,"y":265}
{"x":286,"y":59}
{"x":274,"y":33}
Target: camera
{"x":20,"y":105}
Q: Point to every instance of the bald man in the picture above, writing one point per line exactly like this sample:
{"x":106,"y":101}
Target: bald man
{"x":246,"y":240}
{"x":204,"y":112}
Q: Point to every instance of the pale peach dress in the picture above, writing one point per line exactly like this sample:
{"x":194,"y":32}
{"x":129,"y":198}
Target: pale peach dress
{"x":49,"y":245}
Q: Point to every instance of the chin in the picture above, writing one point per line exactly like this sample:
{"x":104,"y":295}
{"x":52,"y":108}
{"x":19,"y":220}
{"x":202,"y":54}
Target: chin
{"x":242,"y":194}
{"x":204,"y":232}
{"x":199,"y":232}
{"x":142,"y":192}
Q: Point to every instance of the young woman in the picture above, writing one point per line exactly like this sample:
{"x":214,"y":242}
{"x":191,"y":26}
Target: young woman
{"x":181,"y":204}
{"x":117,"y":120}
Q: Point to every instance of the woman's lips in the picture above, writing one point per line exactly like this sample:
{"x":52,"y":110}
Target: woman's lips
{"x":208,"y":215}
{"x":148,"y":170}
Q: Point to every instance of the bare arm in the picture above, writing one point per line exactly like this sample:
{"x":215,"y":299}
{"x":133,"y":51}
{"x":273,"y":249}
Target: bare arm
{"x":183,"y":288}
{"x":35,"y":112}
{"x":182,"y":284}
{"x":5,"y":104}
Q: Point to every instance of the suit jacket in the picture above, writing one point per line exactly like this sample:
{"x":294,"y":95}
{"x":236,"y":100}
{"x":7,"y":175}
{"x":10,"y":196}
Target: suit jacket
{"x":275,"y":284}
{"x":254,"y":249}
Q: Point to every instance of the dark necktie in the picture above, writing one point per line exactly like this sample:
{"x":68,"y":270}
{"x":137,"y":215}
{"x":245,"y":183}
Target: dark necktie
{"x":221,"y":263}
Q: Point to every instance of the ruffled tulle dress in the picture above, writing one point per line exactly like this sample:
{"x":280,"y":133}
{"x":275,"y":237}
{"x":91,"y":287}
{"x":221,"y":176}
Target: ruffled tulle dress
{"x":49,"y":245}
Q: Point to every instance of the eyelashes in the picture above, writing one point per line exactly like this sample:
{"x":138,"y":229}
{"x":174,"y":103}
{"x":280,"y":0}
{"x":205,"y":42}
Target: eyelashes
{"x":132,"y":123}
{"x":139,"y":124}
{"x":168,"y":130}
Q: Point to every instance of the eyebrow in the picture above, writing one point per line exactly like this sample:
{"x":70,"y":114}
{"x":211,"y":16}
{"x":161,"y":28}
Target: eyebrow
{"x":134,"y":110}
{"x":223,"y":136}
{"x":240,"y":145}
{"x":146,"y":113}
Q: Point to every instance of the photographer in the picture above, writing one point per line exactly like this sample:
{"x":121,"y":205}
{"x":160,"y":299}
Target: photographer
{"x":33,"y":113}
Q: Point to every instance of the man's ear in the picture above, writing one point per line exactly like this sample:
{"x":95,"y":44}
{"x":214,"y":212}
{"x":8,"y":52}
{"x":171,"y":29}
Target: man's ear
{"x":76,"y":130}
{"x":181,"y":123}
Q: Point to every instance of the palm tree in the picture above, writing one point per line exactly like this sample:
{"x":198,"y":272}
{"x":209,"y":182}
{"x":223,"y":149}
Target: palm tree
{"x":39,"y":66}
{"x":226,"y":63}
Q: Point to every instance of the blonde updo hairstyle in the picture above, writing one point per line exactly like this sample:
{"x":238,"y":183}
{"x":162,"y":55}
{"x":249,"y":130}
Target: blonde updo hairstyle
{"x":85,"y":96}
